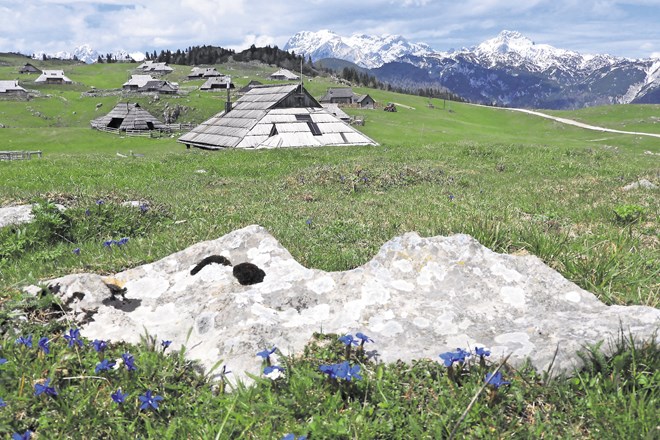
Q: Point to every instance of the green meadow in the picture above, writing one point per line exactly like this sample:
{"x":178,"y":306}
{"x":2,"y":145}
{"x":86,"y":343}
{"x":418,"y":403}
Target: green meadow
{"x":519,"y":184}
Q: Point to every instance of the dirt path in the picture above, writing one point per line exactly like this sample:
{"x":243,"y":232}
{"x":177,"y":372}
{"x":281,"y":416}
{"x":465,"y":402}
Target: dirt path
{"x":579,"y":124}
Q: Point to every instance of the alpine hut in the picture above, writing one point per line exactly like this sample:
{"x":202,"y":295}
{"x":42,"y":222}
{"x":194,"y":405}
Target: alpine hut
{"x":126,"y":116}
{"x":284,"y":75}
{"x":271,"y":117}
{"x":218,"y":83}
{"x":28,"y":68}
{"x":12,"y":90}
{"x":53,"y":77}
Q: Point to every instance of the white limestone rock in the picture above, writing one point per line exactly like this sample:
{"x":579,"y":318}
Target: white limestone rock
{"x":15,"y":215}
{"x":416,"y":298}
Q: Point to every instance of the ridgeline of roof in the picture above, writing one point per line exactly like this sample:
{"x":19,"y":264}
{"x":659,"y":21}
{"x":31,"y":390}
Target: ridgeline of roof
{"x":260,"y":119}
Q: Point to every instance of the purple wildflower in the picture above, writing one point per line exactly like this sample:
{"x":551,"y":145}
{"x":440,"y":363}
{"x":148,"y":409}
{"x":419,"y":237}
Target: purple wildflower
{"x":104,"y":365}
{"x":43,"y":344}
{"x":149,"y":400}
{"x":129,"y":361}
{"x":25,"y":340}
{"x":44,"y":388}
{"x":118,"y":396}
{"x":73,"y":337}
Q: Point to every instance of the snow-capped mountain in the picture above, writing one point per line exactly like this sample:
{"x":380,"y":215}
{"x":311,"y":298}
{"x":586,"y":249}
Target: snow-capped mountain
{"x":363,"y":50}
{"x":509,"y":69}
{"x":87,"y":54}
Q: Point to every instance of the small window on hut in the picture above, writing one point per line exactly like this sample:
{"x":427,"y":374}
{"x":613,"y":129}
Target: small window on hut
{"x":273,"y":131}
{"x":313,"y":127}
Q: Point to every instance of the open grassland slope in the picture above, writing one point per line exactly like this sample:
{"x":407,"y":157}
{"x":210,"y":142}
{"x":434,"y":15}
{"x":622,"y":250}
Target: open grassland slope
{"x":518,"y":183}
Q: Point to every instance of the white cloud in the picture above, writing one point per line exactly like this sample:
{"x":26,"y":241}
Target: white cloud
{"x":141,"y":25}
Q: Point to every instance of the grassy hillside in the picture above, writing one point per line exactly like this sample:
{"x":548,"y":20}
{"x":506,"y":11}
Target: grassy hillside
{"x":637,"y":117}
{"x":517,"y":183}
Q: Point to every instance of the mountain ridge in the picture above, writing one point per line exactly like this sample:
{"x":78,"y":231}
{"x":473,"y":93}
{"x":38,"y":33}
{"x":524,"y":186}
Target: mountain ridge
{"x":507,"y":70}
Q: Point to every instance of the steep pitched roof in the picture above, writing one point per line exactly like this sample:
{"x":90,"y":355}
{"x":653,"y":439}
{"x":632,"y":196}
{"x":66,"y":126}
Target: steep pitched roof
{"x":28,"y":68}
{"x":138,"y":80}
{"x":204,"y":72}
{"x":217,"y":82}
{"x":271,"y":117}
{"x":53,"y":75}
{"x":10,"y":86}
{"x":284,"y":74}
{"x":126,"y":116}
{"x":151,"y":66}
{"x":338,"y":93}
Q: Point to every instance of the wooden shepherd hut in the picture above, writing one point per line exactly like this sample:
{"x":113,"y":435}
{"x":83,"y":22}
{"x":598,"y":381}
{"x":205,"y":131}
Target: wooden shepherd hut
{"x":126,"y":116}
{"x":272,"y":117}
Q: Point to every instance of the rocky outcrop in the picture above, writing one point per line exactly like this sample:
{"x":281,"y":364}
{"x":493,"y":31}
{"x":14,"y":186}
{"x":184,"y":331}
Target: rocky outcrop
{"x":416,"y":298}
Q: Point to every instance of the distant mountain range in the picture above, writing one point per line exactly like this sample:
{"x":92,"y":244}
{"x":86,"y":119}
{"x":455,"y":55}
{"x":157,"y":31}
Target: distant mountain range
{"x":86,"y":54}
{"x":508,"y":70}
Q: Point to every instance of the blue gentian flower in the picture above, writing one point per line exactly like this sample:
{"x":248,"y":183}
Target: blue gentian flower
{"x":330,"y":370}
{"x":451,"y":197}
{"x":104,"y":365}
{"x":122,"y":241}
{"x":108,"y":243}
{"x":25,"y":436}
{"x":273,"y":372}
{"x":3,"y":361}
{"x":25,"y":340}
{"x":165,"y":344}
{"x":266,"y":353}
{"x":99,"y":345}
{"x":481,"y":351}
{"x":348,"y":340}
{"x":342,"y":371}
{"x":144,"y":208}
{"x":363,"y":338}
{"x":100,"y":202}
{"x":129,"y":361}
{"x":43,"y":344}
{"x":495,"y":380}
{"x":454,"y":356}
{"x":272,"y":368}
{"x":118,"y":396}
{"x":149,"y":400}
{"x":2,"y":403}
{"x":346,"y":372}
{"x":309,"y":222}
{"x":88,"y":212}
{"x":76,"y":251}
{"x":73,"y":337}
{"x":293,"y":437}
{"x":44,"y":388}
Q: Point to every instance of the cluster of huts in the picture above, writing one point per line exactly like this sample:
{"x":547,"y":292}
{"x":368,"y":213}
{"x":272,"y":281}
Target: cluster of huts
{"x":11,"y":89}
{"x":264,"y":116}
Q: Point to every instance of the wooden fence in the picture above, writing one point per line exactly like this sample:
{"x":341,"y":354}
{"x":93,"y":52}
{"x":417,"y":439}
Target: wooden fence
{"x":147,"y":133}
{"x":19,"y":155}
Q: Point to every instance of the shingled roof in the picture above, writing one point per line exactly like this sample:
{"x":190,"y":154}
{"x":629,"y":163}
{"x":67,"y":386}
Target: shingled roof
{"x":126,"y":116}
{"x":271,"y":117}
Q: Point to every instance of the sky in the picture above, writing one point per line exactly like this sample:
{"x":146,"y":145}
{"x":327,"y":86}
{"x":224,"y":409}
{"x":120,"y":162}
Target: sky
{"x":627,"y":28}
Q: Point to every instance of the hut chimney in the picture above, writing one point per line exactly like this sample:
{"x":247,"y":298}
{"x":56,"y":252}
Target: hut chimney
{"x":228,"y":103}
